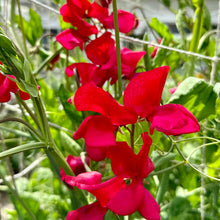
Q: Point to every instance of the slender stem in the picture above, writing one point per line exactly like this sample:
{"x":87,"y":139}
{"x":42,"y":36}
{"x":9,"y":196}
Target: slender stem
{"x":23,"y":122}
{"x":132,"y":136}
{"x":22,"y":28}
{"x":167,"y":169}
{"x":215,"y":61}
{"x":28,"y":110}
{"x":47,"y":61}
{"x":117,"y":40}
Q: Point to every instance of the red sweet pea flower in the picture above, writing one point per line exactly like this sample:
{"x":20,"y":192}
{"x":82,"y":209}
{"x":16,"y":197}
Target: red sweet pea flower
{"x":74,"y":12}
{"x":103,"y":3}
{"x":70,"y":39}
{"x":115,"y":194}
{"x":143,"y":94}
{"x":93,"y":211}
{"x":102,"y":51}
{"x":126,"y":20}
{"x":98,"y":133}
{"x":88,"y":72}
{"x":91,"y":98}
{"x":129,"y":61}
{"x":7,"y":86}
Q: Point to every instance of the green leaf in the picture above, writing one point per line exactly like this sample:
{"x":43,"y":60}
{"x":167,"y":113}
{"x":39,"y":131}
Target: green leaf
{"x":70,"y":110}
{"x":30,"y":88}
{"x":27,"y":70}
{"x":21,"y":148}
{"x":161,"y":29}
{"x":197,"y":96}
{"x":69,"y":144}
{"x":5,"y":43}
{"x":31,"y":33}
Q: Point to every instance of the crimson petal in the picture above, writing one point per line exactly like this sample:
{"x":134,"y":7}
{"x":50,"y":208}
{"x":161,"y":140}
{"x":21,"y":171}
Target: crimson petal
{"x":91,"y":98}
{"x":173,"y":119}
{"x":128,"y":199}
{"x":143,"y":92}
{"x":149,"y":208}
{"x":93,"y":211}
{"x":70,"y":39}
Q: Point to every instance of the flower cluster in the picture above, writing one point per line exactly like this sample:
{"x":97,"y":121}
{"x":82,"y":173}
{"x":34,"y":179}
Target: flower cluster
{"x":100,"y":47}
{"x":125,"y":193}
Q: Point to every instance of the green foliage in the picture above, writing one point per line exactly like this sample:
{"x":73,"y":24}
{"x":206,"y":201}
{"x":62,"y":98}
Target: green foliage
{"x":32,"y":34}
{"x":197,"y":96}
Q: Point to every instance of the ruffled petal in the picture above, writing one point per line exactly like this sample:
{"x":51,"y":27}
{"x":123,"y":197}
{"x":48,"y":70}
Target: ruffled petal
{"x":123,"y":160}
{"x":149,"y":208}
{"x":84,"y":180}
{"x":96,"y":11}
{"x":145,"y":165}
{"x":143,"y":92}
{"x":129,"y":61}
{"x":91,"y":98}
{"x":128,"y":199}
{"x":126,"y":21}
{"x":93,"y":211}
{"x":76,"y":164}
{"x":99,"y":51}
{"x":70,"y":39}
{"x":173,"y":119}
{"x":88,"y":72}
{"x":98,"y":133}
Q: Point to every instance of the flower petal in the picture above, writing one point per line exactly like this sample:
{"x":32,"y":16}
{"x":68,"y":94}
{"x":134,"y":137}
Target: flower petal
{"x":91,"y":98}
{"x":93,"y":211}
{"x":84,"y":180}
{"x":143,"y":92}
{"x":98,"y":133}
{"x":76,"y":164}
{"x":144,"y":163}
{"x":126,"y":21}
{"x":70,"y":39}
{"x":128,"y":199}
{"x":129,"y":61}
{"x":149,"y":208}
{"x":88,"y":72}
{"x":123,"y":160}
{"x":173,"y":119}
{"x":99,"y":51}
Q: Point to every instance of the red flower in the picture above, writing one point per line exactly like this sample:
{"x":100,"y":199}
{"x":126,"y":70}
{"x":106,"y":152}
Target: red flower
{"x":88,"y":72}
{"x":143,"y":94}
{"x":126,"y":20}
{"x":7,"y":86}
{"x":91,"y":98}
{"x":98,"y":133}
{"x":93,"y":211}
{"x":70,"y":39}
{"x":115,"y":194}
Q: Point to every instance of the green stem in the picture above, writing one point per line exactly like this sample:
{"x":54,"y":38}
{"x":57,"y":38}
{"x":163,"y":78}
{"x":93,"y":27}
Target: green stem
{"x":163,"y":187}
{"x":23,"y":122}
{"x":132,"y":136}
{"x":45,"y":63}
{"x":52,"y":148}
{"x":22,"y":28}
{"x":167,"y":169}
{"x":117,"y":40}
{"x":21,"y":101}
{"x":21,"y":148}
{"x":196,"y":35}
